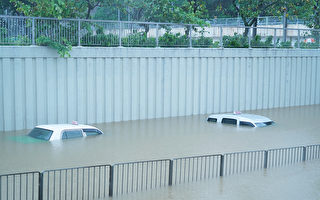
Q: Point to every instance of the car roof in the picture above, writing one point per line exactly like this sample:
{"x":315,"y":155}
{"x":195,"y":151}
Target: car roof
{"x":60,"y":127}
{"x":242,"y":117}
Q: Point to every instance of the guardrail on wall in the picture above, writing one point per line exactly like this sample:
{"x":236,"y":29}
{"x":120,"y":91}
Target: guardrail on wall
{"x":17,"y":30}
{"x":100,"y":181}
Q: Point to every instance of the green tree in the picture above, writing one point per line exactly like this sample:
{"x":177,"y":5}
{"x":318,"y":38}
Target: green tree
{"x":250,"y":10}
{"x":56,"y":8}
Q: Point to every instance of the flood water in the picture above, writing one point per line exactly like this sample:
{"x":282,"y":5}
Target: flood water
{"x":159,"y":139}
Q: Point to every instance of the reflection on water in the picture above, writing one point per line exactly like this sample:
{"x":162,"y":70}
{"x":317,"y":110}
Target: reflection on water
{"x":159,"y":138}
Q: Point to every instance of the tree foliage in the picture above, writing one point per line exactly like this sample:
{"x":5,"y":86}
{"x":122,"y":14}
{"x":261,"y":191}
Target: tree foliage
{"x":56,"y":8}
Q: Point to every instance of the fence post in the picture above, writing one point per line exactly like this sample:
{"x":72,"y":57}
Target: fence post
{"x":304,"y":154}
{"x":33,"y":32}
{"x":221,"y":164}
{"x":170,"y":172}
{"x":111,"y":182}
{"x":40,"y":188}
{"x":265,"y":163}
{"x":249,"y":37}
{"x":298,"y":38}
{"x":157,"y":35}
{"x":190,"y":36}
{"x":221,"y":38}
{"x":275,"y":38}
{"x":79,"y":34}
{"x":120,"y":34}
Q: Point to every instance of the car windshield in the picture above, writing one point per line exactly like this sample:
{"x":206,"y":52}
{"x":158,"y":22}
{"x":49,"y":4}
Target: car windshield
{"x":40,"y":133}
{"x":262,"y":124}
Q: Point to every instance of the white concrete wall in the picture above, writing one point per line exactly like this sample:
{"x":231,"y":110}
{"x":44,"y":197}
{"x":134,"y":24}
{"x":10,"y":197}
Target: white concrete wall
{"x":114,"y":84}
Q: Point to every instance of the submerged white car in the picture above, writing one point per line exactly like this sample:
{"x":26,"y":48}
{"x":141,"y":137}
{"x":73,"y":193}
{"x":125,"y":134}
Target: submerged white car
{"x":242,"y":119}
{"x":52,"y":132}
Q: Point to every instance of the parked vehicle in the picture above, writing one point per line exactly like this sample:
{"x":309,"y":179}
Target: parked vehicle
{"x":52,"y":132}
{"x":242,"y":119}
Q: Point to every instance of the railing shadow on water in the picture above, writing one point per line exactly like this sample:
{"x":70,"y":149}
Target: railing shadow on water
{"x":102,"y":181}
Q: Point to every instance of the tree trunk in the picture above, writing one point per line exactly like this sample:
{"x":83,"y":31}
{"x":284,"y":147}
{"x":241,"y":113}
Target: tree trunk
{"x":285,"y":26}
{"x":255,"y":24}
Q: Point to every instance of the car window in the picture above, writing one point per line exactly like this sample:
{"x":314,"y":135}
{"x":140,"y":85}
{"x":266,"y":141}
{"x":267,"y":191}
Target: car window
{"x":212,"y":119}
{"x":246,"y":124}
{"x":229,"y":121}
{"x":40,"y":133}
{"x":262,"y":124}
{"x":90,"y":132}
{"x":71,"y":134}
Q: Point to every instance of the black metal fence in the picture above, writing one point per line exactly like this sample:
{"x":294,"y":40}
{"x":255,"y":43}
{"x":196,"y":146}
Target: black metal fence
{"x":100,"y":181}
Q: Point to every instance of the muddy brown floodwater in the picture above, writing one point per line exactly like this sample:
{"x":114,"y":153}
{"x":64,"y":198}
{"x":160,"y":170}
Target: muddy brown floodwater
{"x":158,"y":139}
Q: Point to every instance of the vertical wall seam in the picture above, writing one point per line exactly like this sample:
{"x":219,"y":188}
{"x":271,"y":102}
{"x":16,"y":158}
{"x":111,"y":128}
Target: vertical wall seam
{"x":214,"y":82}
{"x":104,"y":89}
{"x":57,"y":90}
{"x":24,"y":94}
{"x":146,"y":88}
{"x":193,"y":84}
{"x":2,"y":97}
{"x":162,"y":83}
{"x":77,"y":91}
{"x":305,"y":85}
{"x":66,"y":89}
{"x":251,"y":83}
{"x":207,"y":87}
{"x":178,"y":86}
{"x":311,"y":65}
{"x":14,"y":92}
{"x":245,"y":82}
{"x":130,"y":89}
{"x":316,"y":81}
{"x":220,"y":82}
{"x":199,"y":84}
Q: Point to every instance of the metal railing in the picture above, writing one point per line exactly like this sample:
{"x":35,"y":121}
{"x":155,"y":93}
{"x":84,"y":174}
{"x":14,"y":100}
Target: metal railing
{"x":89,"y":182}
{"x":100,"y":181}
{"x":189,"y":169}
{"x":139,"y":176}
{"x":20,"y":186}
{"x":263,"y":21}
{"x":16,"y":30}
{"x":239,"y":162}
{"x":285,"y":156}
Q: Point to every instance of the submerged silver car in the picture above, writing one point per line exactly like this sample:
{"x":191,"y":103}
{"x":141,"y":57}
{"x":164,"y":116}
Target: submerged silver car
{"x":52,"y":132}
{"x":242,"y":119}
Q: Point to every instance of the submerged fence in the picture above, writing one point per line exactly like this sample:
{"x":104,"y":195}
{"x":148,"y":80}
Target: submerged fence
{"x":101,"y":181}
{"x":17,"y":30}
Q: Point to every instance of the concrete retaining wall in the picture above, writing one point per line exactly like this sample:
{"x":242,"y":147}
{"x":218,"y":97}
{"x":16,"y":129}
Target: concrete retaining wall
{"x":99,"y":85}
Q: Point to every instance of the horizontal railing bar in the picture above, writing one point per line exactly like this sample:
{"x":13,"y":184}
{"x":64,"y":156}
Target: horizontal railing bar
{"x":139,"y":162}
{"x":21,"y":173}
{"x":285,"y":148}
{"x":76,"y":168}
{"x":240,"y":152}
{"x":153,"y":23}
{"x":313,"y":145}
{"x":204,"y":156}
